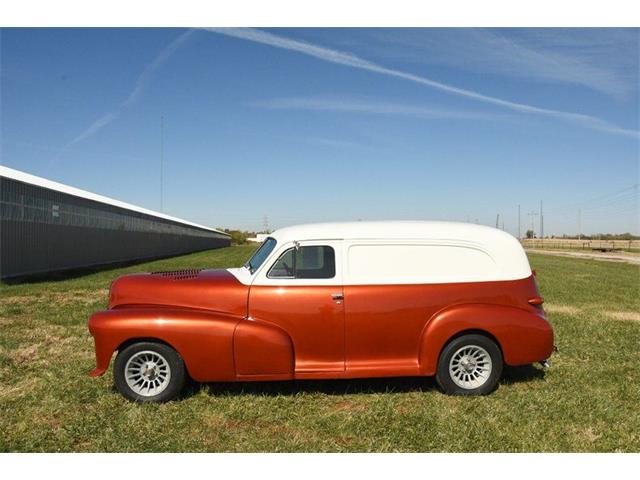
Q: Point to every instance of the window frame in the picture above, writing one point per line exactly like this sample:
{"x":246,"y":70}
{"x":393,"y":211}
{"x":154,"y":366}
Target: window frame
{"x":261,"y":277}
{"x":295,"y":277}
{"x":273,"y":265}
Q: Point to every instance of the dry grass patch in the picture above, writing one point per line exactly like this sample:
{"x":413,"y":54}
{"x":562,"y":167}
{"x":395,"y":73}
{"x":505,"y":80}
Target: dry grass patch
{"x":24,"y":355}
{"x":632,"y":316}
{"x":82,"y":297}
{"x":5,"y":321}
{"x":565,"y":309}
{"x":85,"y":297}
{"x":588,"y":434}
{"x":20,"y":389}
{"x":349,"y":406}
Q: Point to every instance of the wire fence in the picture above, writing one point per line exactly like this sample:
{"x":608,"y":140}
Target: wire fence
{"x":575,"y":244}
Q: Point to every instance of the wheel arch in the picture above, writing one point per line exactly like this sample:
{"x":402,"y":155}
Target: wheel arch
{"x":472,"y":331}
{"x":521,"y":335}
{"x":204,"y":340}
{"x":151,"y":339}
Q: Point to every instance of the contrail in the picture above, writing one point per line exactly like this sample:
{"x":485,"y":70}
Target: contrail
{"x":371,"y":107}
{"x":350,"y":60}
{"x":140,"y":85}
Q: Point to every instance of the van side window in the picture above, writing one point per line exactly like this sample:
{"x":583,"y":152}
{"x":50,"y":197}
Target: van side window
{"x":305,"y":262}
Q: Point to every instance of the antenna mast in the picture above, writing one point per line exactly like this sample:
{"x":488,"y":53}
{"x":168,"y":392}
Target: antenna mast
{"x":161,"y":163}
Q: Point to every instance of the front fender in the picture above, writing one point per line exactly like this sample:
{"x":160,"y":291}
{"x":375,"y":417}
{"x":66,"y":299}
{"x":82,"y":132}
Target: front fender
{"x":204,"y":340}
{"x":264,"y":350}
{"x":524,"y":336}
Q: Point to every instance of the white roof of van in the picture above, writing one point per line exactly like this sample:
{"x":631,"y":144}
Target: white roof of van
{"x":503,"y":248}
{"x":395,"y":229}
{"x":59,"y":187}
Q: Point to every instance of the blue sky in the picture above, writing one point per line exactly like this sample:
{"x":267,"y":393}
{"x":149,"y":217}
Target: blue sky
{"x":305,"y":125}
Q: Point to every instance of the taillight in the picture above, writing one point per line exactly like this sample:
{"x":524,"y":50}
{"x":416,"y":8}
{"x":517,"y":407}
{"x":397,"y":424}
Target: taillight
{"x":536,"y":301}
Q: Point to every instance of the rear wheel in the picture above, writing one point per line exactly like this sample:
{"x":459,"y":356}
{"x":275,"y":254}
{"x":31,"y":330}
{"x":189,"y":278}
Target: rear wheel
{"x":469,"y":365}
{"x":149,"y":372}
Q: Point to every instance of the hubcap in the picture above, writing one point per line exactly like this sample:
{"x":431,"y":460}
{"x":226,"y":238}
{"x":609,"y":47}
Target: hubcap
{"x":147,"y":373}
{"x":470,"y":367}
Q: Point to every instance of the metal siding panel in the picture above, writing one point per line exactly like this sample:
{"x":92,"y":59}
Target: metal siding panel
{"x":48,"y":243}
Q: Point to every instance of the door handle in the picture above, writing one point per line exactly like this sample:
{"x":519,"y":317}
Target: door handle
{"x":337,"y":296}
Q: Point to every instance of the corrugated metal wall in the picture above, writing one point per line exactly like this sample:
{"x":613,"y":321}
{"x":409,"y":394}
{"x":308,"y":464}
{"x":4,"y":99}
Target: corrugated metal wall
{"x":44,"y":230}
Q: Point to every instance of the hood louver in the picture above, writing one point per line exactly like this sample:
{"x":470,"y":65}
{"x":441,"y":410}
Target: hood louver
{"x":178,"y":274}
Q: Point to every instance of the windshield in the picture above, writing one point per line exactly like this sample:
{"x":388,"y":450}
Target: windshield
{"x":261,"y":254}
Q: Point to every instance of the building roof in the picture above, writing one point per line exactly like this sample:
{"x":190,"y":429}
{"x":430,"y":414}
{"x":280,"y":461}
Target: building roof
{"x":59,"y":187}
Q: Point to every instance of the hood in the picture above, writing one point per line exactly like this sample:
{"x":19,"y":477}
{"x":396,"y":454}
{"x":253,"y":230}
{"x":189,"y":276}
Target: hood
{"x":215,"y":290}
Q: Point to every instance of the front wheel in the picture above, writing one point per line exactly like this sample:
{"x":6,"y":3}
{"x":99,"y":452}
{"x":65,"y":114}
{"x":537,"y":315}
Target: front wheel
{"x":469,"y":365}
{"x":149,"y":372}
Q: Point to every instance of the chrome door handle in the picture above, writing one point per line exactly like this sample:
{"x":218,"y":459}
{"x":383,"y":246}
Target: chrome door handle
{"x":337,"y":296}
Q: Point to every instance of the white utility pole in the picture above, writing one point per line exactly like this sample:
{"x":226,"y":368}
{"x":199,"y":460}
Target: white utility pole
{"x":519,"y":235}
{"x":533,"y":216}
{"x":541,"y":221}
{"x":579,"y":223}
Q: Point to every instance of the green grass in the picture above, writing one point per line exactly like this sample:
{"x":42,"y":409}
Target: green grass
{"x":587,"y":401}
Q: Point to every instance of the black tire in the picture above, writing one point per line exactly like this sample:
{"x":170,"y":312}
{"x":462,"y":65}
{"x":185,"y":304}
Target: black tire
{"x":443,"y":375}
{"x":175,"y":366}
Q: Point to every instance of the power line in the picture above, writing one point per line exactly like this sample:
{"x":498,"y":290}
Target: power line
{"x":584,"y":204}
{"x":628,"y":201}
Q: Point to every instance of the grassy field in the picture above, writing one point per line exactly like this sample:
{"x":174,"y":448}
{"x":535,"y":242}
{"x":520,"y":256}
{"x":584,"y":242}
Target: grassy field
{"x":587,"y":401}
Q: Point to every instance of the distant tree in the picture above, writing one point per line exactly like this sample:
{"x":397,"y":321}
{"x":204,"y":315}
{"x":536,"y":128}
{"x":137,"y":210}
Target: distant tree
{"x":238,"y":237}
{"x":530,"y":234}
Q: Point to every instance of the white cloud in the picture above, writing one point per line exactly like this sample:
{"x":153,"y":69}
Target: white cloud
{"x":350,"y":60}
{"x":140,"y":85}
{"x":603,"y":60}
{"x":370,"y":107}
{"x":145,"y":76}
{"x":94,"y":127}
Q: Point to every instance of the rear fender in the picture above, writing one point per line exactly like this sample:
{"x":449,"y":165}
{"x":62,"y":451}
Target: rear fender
{"x":204,"y":340}
{"x":524,"y":336}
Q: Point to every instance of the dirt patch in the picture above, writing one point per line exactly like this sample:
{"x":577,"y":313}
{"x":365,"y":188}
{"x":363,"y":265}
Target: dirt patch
{"x":633,"y":316}
{"x":565,"y":309}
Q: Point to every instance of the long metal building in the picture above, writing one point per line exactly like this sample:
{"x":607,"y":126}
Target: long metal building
{"x":49,"y":227}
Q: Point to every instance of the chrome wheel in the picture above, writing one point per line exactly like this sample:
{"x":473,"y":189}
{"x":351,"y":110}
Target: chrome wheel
{"x":470,"y":367}
{"x":147,"y":373}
